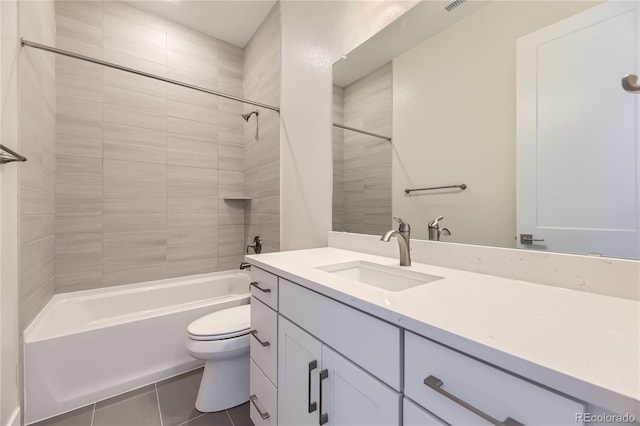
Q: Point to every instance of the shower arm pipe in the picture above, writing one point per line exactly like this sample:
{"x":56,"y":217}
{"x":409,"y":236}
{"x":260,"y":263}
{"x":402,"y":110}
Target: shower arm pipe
{"x":353,"y":129}
{"x":35,"y":45}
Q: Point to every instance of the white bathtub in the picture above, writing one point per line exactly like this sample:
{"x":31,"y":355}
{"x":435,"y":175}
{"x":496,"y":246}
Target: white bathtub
{"x":90,"y":345}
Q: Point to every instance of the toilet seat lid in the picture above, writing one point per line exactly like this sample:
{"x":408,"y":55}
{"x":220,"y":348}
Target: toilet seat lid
{"x":222,"y":324}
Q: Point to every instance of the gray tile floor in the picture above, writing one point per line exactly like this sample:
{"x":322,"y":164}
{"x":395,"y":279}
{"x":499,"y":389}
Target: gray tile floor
{"x":166,"y":403}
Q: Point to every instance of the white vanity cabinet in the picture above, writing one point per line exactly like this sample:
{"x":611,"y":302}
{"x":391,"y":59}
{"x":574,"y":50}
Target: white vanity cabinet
{"x":319,"y":386}
{"x":336,"y":365}
{"x":263,"y":378}
{"x":330,"y":363}
{"x":463,"y":390}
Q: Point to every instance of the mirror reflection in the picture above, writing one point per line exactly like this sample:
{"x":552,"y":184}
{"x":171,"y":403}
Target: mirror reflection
{"x":516,"y":107}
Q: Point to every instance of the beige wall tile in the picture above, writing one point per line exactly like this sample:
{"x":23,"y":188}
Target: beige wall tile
{"x":134,"y":222}
{"x":192,"y":252}
{"x":73,"y":204}
{"x":71,"y":185}
{"x":78,"y":166}
{"x":190,"y":111}
{"x":116,"y":274}
{"x":138,"y":153}
{"x":36,"y":202}
{"x":83,"y":147}
{"x":78,"y":224}
{"x":134,"y":178}
{"x":131,"y":116}
{"x":195,"y":205}
{"x":124,"y":134}
{"x":141,"y":163}
{"x":134,"y":248}
{"x":35,"y":227}
{"x":133,"y":204}
{"x":36,"y":252}
{"x":192,"y":182}
{"x":78,"y":280}
{"x":180,"y":268}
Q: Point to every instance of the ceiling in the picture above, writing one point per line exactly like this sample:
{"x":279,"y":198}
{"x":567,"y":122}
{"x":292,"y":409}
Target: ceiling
{"x":233,"y":21}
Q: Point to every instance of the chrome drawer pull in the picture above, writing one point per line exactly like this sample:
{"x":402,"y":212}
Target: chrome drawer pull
{"x":254,"y":333}
{"x":264,"y":290}
{"x":311,"y":405}
{"x":263,"y":414}
{"x":436,"y":384}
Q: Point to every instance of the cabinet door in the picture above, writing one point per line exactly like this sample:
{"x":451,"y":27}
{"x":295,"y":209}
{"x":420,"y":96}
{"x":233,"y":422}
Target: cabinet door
{"x":413,"y":415}
{"x":298,"y":371}
{"x":350,"y":396}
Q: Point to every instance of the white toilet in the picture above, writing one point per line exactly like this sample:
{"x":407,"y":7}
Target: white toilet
{"x":221,"y":339}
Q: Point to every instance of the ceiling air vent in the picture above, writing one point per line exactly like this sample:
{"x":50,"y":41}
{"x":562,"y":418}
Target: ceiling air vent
{"x":454,"y":5}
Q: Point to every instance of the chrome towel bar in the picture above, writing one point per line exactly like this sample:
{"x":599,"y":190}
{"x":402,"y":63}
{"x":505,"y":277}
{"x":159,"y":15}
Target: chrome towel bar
{"x":410,"y":190}
{"x":353,"y":129}
{"x":13,"y":156}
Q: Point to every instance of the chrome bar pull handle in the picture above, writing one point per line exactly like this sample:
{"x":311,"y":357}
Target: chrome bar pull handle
{"x":254,"y":333}
{"x":528,"y":239}
{"x":436,"y":384}
{"x":322,"y":418}
{"x":264,"y":290}
{"x":312,"y":406}
{"x":264,"y":414}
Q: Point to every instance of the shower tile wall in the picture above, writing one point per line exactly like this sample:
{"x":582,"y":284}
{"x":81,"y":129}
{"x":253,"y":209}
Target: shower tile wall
{"x":262,"y":149}
{"x":366,"y":161}
{"x":37,"y":106}
{"x":142,"y":166}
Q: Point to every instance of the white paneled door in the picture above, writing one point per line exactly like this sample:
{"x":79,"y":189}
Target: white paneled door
{"x":578,"y":151}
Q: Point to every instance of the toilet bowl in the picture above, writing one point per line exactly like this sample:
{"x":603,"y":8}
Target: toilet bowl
{"x":221,"y":339}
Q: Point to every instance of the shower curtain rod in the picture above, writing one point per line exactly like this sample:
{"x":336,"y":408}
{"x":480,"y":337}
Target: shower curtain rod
{"x":35,"y":45}
{"x":353,"y":129}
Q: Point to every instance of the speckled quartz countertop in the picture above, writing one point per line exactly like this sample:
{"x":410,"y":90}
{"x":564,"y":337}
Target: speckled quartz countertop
{"x":582,"y":344}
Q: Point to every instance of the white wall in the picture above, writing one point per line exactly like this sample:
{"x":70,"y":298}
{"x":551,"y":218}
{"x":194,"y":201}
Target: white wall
{"x":9,"y":395}
{"x":314,"y":35}
{"x":454,"y":121}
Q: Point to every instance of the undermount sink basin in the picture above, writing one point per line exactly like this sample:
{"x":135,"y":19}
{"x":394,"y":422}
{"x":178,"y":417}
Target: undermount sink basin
{"x":391,"y":278}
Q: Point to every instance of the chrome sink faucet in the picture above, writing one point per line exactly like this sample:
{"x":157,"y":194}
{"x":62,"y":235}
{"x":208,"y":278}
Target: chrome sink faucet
{"x":403,"y":235}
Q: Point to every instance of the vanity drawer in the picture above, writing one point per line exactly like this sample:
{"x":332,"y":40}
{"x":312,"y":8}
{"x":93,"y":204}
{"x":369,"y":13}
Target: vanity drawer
{"x":367,"y":341}
{"x":414,"y":415}
{"x":264,"y":339}
{"x":264,"y":286}
{"x":492,"y":391}
{"x":263,"y":399}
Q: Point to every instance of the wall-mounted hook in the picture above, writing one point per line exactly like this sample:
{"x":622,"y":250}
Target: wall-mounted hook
{"x":630,"y":83}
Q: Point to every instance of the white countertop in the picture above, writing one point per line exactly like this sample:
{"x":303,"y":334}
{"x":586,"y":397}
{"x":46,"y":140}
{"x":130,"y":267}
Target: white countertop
{"x":581,"y":344}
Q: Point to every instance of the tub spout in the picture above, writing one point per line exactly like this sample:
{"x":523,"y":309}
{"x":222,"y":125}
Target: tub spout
{"x":245,"y":265}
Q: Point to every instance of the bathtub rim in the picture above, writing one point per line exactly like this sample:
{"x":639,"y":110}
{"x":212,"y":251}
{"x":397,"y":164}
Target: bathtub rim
{"x":61,"y":298}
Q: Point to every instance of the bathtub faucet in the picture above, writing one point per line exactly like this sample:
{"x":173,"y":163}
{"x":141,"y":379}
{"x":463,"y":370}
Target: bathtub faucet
{"x":256,"y":245}
{"x":245,"y":265}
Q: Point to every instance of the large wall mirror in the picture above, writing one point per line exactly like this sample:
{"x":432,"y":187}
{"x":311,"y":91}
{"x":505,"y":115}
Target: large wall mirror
{"x":516,"y":108}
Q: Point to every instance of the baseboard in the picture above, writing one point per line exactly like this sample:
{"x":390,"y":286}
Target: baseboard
{"x":14,"y":420}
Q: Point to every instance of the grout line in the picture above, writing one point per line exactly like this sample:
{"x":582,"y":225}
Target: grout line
{"x":93,"y":413}
{"x":155,"y":386}
{"x":229,"y":415}
{"x":193,"y":418}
